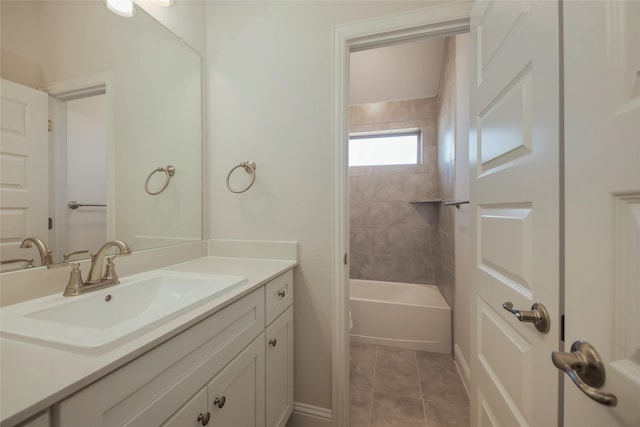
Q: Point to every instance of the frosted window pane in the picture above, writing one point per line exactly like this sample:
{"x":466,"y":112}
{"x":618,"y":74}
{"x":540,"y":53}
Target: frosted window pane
{"x":384,"y":150}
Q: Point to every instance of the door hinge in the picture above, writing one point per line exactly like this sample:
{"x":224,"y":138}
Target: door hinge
{"x":49,"y":125}
{"x":562,"y":328}
{"x":50,"y":223}
{"x":345,"y":259}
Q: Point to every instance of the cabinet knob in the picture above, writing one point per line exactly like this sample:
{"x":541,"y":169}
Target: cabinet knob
{"x":204,"y":418}
{"x":219,"y":401}
{"x":273,"y":342}
{"x":282,"y":294}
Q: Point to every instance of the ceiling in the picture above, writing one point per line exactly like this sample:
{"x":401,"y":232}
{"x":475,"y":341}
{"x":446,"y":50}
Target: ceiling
{"x":399,"y":72}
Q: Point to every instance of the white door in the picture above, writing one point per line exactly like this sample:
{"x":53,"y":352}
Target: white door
{"x":24,"y":186}
{"x":515,"y":211}
{"x":602,"y":140}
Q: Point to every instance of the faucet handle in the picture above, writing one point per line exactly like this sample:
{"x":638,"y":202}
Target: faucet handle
{"x":110,"y":270}
{"x":69,"y":255}
{"x":75,"y":284}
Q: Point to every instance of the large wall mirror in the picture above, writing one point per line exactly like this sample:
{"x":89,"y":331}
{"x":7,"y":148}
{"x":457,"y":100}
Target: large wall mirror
{"x":97,"y":112}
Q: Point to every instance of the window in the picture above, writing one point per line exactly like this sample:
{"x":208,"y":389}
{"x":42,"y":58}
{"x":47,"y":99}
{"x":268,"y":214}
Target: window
{"x":388,"y":148}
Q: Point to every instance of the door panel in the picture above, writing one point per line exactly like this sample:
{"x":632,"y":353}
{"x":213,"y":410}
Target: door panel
{"x":23,"y":169}
{"x":515,"y":182}
{"x":602,"y":109}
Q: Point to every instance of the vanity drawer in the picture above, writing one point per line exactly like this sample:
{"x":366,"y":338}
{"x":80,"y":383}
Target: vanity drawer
{"x":278,"y":295}
{"x":148,"y":390}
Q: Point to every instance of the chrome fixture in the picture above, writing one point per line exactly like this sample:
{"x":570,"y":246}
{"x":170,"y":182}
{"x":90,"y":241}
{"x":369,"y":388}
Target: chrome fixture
{"x":96,"y":277}
{"x":249,"y":167}
{"x":169,"y":171}
{"x":45,"y":253}
{"x":539,"y":315}
{"x":28,"y":262}
{"x":456,"y":203}
{"x":66,"y":257}
{"x":75,"y":285}
{"x":586,"y":369}
{"x":73,"y":204}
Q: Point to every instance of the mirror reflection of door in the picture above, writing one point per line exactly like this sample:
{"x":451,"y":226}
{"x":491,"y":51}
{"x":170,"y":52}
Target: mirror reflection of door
{"x":23,"y":173}
{"x":86,"y":174}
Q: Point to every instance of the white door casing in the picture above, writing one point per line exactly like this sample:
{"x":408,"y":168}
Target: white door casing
{"x":24,"y":169}
{"x":515,"y":210}
{"x":602,"y":169}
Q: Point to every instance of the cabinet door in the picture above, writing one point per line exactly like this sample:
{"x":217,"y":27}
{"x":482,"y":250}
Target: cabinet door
{"x":192,"y":414}
{"x":236,"y":395}
{"x":279,"y":369}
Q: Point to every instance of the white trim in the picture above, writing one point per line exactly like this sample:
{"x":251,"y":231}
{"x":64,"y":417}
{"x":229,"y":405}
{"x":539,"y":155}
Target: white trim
{"x":463,"y":368}
{"x":312,"y":410}
{"x":444,"y":19}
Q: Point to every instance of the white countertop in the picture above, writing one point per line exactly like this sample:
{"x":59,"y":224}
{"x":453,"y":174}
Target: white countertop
{"x":34,"y":377}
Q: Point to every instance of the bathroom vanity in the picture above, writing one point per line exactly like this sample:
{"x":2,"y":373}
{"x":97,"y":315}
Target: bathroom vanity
{"x":228,"y":362}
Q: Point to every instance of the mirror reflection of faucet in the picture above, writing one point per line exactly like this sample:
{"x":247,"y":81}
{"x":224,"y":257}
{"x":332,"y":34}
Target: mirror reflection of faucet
{"x":43,"y":251}
{"x":96,"y":279}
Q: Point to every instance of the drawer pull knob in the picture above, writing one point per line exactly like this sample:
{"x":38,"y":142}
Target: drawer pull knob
{"x":204,"y":418}
{"x":273,"y":342}
{"x":282,"y":294}
{"x":219,"y":401}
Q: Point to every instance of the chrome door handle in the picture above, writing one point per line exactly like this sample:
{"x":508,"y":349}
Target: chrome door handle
{"x":538,"y":315}
{"x":585,"y":368}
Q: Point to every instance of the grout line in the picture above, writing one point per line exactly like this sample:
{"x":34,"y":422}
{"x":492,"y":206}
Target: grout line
{"x":373,"y":384}
{"x":424,"y":407}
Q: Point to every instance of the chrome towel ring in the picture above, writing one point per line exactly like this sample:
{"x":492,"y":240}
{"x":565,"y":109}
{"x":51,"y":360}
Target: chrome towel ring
{"x":249,"y":167}
{"x":169,"y":172}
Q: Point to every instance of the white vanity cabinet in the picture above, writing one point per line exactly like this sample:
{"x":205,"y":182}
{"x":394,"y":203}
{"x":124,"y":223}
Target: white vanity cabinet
{"x":233,"y":398}
{"x":279,"y":350}
{"x":221,"y":371}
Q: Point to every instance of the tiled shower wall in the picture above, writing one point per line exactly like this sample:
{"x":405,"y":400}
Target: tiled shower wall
{"x":446,"y":170}
{"x":394,"y":232}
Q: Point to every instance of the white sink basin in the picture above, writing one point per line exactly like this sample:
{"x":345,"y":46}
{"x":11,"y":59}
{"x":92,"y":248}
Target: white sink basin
{"x":99,"y":321}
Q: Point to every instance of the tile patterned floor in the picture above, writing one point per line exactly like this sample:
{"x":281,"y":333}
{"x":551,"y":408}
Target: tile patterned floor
{"x":393,"y":387}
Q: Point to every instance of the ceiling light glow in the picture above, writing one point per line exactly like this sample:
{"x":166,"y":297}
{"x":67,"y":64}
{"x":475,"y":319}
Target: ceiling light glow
{"x":124,"y":8}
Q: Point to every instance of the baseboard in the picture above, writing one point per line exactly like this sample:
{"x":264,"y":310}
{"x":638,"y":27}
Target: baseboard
{"x":463,"y":368}
{"x":305,"y":415}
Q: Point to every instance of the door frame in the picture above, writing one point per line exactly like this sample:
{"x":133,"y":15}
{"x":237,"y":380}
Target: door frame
{"x":66,"y":90}
{"x":439,"y":20}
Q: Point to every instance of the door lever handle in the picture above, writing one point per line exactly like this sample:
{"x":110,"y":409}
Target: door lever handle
{"x":538,"y":315}
{"x":585,"y":368}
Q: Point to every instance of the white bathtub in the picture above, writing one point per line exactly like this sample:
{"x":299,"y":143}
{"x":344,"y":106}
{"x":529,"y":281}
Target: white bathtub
{"x":403,"y":315}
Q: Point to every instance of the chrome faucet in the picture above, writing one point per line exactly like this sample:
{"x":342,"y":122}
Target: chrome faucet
{"x":45,"y":253}
{"x":109,"y":277}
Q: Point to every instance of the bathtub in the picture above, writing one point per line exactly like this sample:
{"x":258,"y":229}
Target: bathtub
{"x":404,"y":315}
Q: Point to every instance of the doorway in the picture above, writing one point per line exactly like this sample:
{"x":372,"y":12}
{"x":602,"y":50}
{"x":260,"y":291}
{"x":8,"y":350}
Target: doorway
{"x":436,"y":21}
{"x":79,"y":159}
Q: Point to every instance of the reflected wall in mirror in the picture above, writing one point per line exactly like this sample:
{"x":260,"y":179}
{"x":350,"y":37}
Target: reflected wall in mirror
{"x":92,"y":103}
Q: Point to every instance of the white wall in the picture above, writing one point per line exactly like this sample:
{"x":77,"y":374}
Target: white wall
{"x":271,"y":101}
{"x":398,"y":72}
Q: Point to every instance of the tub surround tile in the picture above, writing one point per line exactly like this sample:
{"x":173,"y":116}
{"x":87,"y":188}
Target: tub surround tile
{"x":381,"y":196}
{"x":396,"y":411}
